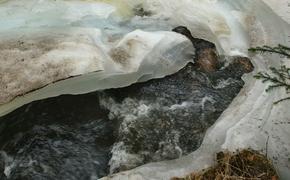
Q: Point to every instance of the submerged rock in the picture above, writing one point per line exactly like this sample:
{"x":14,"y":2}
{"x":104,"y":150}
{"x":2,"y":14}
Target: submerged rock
{"x":166,"y":118}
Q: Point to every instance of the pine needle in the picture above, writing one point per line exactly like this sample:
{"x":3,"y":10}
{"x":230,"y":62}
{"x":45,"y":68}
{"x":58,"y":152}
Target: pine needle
{"x":278,"y":77}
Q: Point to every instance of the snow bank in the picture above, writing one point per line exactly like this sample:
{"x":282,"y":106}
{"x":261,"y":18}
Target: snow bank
{"x":58,"y":54}
{"x":252,"y":120}
{"x":82,"y":34}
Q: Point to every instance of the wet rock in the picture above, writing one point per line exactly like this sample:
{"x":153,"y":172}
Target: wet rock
{"x":166,"y":118}
{"x":243,"y":64}
{"x":206,"y":57}
{"x":207,"y":60}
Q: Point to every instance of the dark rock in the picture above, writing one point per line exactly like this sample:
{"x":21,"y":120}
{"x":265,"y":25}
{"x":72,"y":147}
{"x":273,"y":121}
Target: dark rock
{"x":207,"y":60}
{"x":199,"y":44}
{"x":206,"y":57}
{"x":242,"y":64}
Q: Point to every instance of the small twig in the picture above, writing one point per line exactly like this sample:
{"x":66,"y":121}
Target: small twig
{"x":281,"y":100}
{"x":267,"y":143}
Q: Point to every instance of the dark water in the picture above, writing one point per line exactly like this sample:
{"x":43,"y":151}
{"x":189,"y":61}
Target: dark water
{"x":63,"y":138}
{"x":164,"y":119}
{"x":86,"y":137}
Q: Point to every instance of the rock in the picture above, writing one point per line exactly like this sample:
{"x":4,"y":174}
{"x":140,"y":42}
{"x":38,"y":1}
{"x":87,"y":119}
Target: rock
{"x":244,"y":63}
{"x":207,"y":60}
{"x":206,"y":56}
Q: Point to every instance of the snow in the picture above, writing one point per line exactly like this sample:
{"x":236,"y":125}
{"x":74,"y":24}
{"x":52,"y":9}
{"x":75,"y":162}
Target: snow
{"x":86,"y":31}
{"x":57,"y":54}
{"x":252,"y":121}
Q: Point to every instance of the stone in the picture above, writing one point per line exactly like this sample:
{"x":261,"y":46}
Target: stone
{"x":206,"y":56}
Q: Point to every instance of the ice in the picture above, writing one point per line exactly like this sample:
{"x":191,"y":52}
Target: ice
{"x":252,"y":121}
{"x":56,"y":54}
{"x":101,"y":26}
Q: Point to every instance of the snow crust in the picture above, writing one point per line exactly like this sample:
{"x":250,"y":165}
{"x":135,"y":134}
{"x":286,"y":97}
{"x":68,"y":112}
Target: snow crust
{"x":88,"y":31}
{"x":59,"y":54}
{"x":252,"y":121}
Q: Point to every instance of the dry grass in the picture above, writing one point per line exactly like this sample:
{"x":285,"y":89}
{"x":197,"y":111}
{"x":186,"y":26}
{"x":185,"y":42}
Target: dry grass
{"x":243,"y":165}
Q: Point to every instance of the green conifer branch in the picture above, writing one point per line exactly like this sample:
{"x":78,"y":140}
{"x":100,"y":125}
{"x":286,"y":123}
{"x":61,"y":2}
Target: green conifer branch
{"x":278,"y":77}
{"x":280,"y":49}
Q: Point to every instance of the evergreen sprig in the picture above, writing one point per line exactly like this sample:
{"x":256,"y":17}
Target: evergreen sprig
{"x":278,"y":77}
{"x":280,"y":49}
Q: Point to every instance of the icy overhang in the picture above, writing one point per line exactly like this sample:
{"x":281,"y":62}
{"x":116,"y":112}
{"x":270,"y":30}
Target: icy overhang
{"x":57,"y":54}
{"x":75,"y":40}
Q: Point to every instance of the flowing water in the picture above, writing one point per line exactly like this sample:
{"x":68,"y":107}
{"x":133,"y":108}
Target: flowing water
{"x":233,"y":25}
{"x":68,"y":137}
{"x":89,"y":136}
